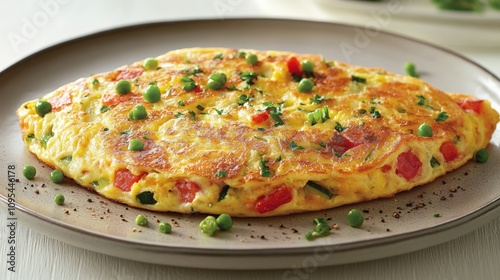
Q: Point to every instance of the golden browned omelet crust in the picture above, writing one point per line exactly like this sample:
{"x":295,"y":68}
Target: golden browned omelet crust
{"x":257,"y":146}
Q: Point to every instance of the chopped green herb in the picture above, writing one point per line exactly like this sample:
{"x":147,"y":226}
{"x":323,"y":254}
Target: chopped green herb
{"x":221,"y":174}
{"x":199,"y":107}
{"x":104,"y":109}
{"x":218,"y":111}
{"x":218,"y":56}
{"x":320,"y":188}
{"x":322,"y":144}
{"x":261,"y":129}
{"x":375,"y":114}
{"x":321,"y":229}
{"x":339,"y":127}
{"x":441,"y":117}
{"x":248,"y":77}
{"x":264,"y":169}
{"x":358,"y":79}
{"x":259,"y":138}
{"x":45,"y":138}
{"x":294,"y":146}
{"x":317,"y":99}
{"x":434,"y":162}
{"x":233,"y":87}
{"x":146,"y":197}
{"x":320,"y":114}
{"x":66,"y":159}
{"x":258,"y":90}
{"x":193,"y":114}
{"x":278,"y":159}
{"x":437,"y":215}
{"x":181,"y":103}
{"x":421,"y":100}
{"x":179,"y":115}
{"x":223,"y":192}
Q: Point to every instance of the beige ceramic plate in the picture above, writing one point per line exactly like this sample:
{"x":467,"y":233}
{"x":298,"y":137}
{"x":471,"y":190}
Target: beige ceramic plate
{"x":393,"y":226}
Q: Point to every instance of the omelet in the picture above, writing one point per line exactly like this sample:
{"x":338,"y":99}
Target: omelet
{"x":252,"y":133}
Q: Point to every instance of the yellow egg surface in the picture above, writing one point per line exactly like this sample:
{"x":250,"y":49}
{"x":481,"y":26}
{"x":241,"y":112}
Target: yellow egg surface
{"x":252,"y":133}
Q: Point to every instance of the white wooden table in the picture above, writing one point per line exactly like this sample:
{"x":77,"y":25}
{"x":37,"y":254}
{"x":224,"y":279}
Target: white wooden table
{"x":31,"y":25}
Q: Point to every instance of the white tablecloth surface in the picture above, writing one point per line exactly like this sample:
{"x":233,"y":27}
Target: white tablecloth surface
{"x":31,"y":25}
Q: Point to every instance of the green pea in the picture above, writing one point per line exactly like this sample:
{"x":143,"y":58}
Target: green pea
{"x":59,"y":199}
{"x":411,"y":70}
{"x":355,"y":218}
{"x":152,"y":94}
{"x":123,"y":87}
{"x":150,"y":64}
{"x":224,"y":222}
{"x":305,"y":85}
{"x":140,"y":220}
{"x":251,"y":58}
{"x":138,"y":113}
{"x":42,"y":108}
{"x":29,"y":172}
{"x":135,"y":145}
{"x":208,"y":225}
{"x":216,"y":80}
{"x":56,"y":176}
{"x":307,"y":66}
{"x":482,"y":156}
{"x":165,"y":227}
{"x":425,"y":130}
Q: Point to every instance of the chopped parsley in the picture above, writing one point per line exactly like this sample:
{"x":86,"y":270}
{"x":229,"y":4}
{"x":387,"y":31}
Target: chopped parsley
{"x":218,"y":111}
{"x":199,"y":107}
{"x":243,"y":99}
{"x":434,"y":162}
{"x":317,"y":99}
{"x":221,"y":174}
{"x":218,"y":56}
{"x":375,"y":114}
{"x":322,"y":144}
{"x":233,"y":87}
{"x":264,"y":169}
{"x":181,"y":103}
{"x":66,"y":159}
{"x":193,"y":114}
{"x":274,"y":112}
{"x":421,"y":100}
{"x":104,"y":109}
{"x":223,"y":192}
{"x":358,"y":79}
{"x":259,"y":138}
{"x":248,"y":77}
{"x":179,"y":115}
{"x":294,"y":146}
{"x":441,"y":117}
{"x":339,"y":127}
